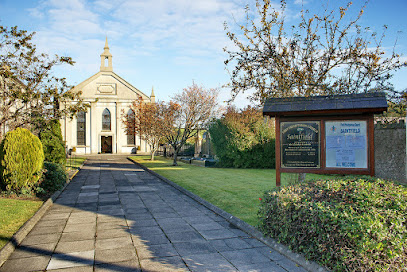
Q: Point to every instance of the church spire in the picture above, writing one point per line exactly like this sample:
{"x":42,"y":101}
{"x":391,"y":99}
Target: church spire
{"x":152,"y":96}
{"x":106,"y":59}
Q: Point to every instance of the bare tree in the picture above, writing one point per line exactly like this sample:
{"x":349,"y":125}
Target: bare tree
{"x":151,"y":121}
{"x":196,"y":107}
{"x":322,"y":55}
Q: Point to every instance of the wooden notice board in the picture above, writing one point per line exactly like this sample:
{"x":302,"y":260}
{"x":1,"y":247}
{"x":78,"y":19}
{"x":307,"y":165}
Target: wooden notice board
{"x":325,"y":134}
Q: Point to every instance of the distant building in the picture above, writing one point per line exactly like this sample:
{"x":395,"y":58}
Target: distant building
{"x":100,"y":129}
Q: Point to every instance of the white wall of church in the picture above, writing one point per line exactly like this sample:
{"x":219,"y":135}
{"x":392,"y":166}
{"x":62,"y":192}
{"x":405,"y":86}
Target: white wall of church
{"x":105,"y":90}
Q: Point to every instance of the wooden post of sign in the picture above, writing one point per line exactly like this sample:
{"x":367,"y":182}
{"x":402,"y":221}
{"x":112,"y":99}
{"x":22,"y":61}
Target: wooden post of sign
{"x":278,"y":154}
{"x":370,"y":133}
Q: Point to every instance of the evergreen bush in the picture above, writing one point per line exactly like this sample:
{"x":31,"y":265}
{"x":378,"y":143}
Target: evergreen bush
{"x":51,"y":138}
{"x":54,"y":177}
{"x":21,"y":160}
{"x":244,"y":139}
{"x":345,"y":225}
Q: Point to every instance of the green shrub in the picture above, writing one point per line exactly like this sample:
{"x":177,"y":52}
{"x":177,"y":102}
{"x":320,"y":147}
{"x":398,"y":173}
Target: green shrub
{"x":54,"y":177}
{"x":346,"y":225}
{"x":244,"y":139}
{"x":51,"y":138}
{"x":21,"y":160}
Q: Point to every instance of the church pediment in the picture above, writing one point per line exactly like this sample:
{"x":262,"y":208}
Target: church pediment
{"x":108,"y":84}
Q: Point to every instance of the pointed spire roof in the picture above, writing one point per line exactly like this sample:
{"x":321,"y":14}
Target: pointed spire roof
{"x":152,"y":92}
{"x":106,"y":49}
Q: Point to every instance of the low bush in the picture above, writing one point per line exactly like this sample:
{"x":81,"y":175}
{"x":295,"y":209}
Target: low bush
{"x":21,"y":160}
{"x":54,"y":177}
{"x":345,"y":225}
{"x":51,"y":138}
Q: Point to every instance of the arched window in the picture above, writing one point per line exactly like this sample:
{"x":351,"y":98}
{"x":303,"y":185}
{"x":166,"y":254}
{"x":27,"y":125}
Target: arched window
{"x":131,"y":134}
{"x":81,"y":128}
{"x":106,"y":120}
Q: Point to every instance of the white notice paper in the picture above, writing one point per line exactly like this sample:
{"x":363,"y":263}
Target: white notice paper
{"x":346,"y":144}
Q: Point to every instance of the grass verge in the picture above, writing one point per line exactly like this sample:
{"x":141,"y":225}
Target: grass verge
{"x":14,"y":213}
{"x":74,"y":162}
{"x":236,"y":191}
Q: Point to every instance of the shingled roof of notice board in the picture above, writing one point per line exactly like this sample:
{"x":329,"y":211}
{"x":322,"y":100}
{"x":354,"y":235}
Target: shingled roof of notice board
{"x":348,"y":103}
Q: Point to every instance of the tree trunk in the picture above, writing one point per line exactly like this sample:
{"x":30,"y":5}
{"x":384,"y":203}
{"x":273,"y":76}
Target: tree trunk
{"x":174,"y":163}
{"x":152,"y":155}
{"x":301,"y":177}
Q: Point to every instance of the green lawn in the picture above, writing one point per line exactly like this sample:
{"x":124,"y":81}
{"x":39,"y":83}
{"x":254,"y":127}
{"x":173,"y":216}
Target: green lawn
{"x":74,"y":162}
{"x":13,"y":214}
{"x":236,"y":191}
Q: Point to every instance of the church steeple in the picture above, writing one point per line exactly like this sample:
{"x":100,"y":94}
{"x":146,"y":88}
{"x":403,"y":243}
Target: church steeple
{"x":106,"y":59}
{"x":152,"y":96}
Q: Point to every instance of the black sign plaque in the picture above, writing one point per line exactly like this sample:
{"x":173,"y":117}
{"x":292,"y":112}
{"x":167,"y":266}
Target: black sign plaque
{"x":300,"y":144}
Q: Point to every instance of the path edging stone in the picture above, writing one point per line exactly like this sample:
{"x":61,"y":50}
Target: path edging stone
{"x":280,"y":248}
{"x":23,"y":231}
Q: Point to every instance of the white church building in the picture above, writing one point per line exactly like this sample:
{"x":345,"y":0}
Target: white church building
{"x":100,"y":129}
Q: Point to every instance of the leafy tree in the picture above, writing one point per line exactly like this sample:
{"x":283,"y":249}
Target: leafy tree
{"x":151,"y":121}
{"x":196,"y":107}
{"x":244,"y":139}
{"x":322,"y":55}
{"x":30,"y":93}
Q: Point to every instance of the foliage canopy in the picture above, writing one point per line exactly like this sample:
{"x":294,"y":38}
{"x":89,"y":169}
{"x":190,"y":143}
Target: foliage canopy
{"x":323,"y":54}
{"x":244,"y":139}
{"x":31,"y":94}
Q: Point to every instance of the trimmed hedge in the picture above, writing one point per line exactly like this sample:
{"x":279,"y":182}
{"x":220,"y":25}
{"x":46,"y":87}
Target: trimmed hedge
{"x":21,"y":160}
{"x":345,"y":225}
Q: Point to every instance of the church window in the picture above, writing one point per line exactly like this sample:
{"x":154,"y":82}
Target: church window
{"x":131,"y":135}
{"x":81,"y":128}
{"x":106,"y":120}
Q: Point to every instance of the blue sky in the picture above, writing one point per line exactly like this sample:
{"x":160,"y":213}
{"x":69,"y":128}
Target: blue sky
{"x":165,"y":44}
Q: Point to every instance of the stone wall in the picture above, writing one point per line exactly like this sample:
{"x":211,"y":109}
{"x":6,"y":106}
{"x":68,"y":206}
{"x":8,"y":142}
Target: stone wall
{"x":390,"y":149}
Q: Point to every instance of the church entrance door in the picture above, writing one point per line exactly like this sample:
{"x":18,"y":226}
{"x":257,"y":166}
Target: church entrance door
{"x":106,"y":142}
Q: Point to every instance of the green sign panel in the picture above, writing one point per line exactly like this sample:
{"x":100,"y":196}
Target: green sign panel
{"x":300,"y":144}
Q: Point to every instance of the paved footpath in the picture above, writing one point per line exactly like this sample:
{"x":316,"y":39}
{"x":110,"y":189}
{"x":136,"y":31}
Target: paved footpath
{"x":114,"y":216}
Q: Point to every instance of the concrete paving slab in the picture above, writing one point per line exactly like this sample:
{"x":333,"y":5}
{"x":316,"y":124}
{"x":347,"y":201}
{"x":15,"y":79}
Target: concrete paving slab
{"x":87,"y":268}
{"x":261,"y":267}
{"x":126,"y":266}
{"x":88,"y":227}
{"x":230,"y":244}
{"x":47,"y":230}
{"x":150,"y":240}
{"x":113,"y":243}
{"x":71,"y":259}
{"x":112,"y":233}
{"x":41,"y":239}
{"x":164,"y":264}
{"x":37,"y":263}
{"x":192,"y":248}
{"x":77,"y":236}
{"x":245,"y":256}
{"x":115,"y":255}
{"x":33,"y":251}
{"x":75,"y":246}
{"x":188,"y":236}
{"x":217,"y":234}
{"x":208,"y":262}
